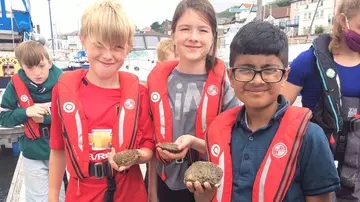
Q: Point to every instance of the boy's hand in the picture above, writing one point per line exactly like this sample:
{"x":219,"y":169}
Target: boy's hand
{"x":122,"y":168}
{"x":38,"y":119}
{"x":36,"y":111}
{"x":201,"y":194}
{"x":184,"y":144}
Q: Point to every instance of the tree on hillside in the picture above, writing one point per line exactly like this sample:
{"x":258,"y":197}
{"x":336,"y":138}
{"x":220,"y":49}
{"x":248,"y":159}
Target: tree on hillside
{"x":278,"y":3}
{"x":282,"y":3}
{"x":161,"y":28}
{"x":156,"y":27}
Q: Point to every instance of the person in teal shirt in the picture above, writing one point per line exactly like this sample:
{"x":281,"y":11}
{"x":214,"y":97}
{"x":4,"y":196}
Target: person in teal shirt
{"x":27,"y":101}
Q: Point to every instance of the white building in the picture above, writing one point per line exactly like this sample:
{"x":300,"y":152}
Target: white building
{"x":323,"y":16}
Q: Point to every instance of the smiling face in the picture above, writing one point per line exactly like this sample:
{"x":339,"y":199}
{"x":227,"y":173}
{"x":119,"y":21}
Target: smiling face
{"x":193,"y":36}
{"x":105,"y":60}
{"x":257,"y":94}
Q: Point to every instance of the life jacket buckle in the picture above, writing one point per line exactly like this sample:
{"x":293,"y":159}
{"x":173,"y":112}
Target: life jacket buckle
{"x":179,"y":161}
{"x":99,"y":170}
{"x":45,"y":132}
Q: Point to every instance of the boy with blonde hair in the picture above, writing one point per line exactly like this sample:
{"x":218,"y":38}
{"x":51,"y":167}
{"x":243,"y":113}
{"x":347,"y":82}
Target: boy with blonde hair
{"x":27,"y":101}
{"x":166,"y":50}
{"x":100,"y":105}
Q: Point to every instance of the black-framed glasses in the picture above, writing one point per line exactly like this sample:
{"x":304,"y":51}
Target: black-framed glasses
{"x":268,"y":75}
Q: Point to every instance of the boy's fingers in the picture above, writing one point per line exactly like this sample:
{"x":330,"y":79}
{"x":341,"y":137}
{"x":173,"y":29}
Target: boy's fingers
{"x":161,"y":153}
{"x":198,"y":187}
{"x":207,"y":186}
{"x":114,"y":165}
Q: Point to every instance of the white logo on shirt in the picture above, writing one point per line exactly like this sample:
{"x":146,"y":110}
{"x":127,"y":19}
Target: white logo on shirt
{"x":279,"y":150}
{"x":212,"y":90}
{"x":129,"y":104}
{"x":215,"y":150}
{"x":24,"y":98}
{"x":68,"y":107}
{"x":155,"y":97}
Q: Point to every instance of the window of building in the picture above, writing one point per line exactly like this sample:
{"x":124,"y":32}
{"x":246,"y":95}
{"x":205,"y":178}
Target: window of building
{"x":321,"y":13}
{"x":296,"y":19}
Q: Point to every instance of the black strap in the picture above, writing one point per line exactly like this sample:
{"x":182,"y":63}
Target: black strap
{"x":44,"y":131}
{"x":341,"y":143}
{"x":111,"y":184}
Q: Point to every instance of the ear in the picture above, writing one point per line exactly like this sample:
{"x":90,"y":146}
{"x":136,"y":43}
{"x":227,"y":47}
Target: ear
{"x":230,"y":77}
{"x":285,"y":77}
{"x":82,"y":40}
{"x":343,"y":21}
{"x":129,"y":48}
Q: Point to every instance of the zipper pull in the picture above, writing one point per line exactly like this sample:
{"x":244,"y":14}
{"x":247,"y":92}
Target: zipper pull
{"x":117,"y":109}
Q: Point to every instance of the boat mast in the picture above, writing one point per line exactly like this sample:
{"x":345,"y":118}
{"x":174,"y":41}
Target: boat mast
{"x":259,"y":13}
{"x":51,"y":29}
{"x":312,"y":21}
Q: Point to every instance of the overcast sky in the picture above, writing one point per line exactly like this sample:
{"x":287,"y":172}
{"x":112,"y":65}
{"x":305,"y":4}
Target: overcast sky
{"x":66,"y":13}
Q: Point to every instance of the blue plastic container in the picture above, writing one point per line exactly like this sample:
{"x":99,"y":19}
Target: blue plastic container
{"x":15,"y":149}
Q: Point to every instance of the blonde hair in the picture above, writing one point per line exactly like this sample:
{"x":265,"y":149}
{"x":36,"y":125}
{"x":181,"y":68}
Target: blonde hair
{"x":350,"y":8}
{"x":164,"y":48}
{"x":106,"y":22}
{"x":31,"y":53}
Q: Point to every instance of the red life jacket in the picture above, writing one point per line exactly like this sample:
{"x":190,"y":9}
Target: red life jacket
{"x":209,"y":108}
{"x":31,"y":128}
{"x":75,"y":125}
{"x":277,"y":170}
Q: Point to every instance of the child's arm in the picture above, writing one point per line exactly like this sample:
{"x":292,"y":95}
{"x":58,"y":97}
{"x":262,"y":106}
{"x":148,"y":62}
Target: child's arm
{"x":57,"y":155}
{"x":145,"y":134}
{"x":152,"y":182}
{"x":10,"y":114}
{"x":56,"y":173}
{"x":319,"y":198}
{"x":184,"y":142}
{"x":319,"y":177}
{"x":144,"y":139}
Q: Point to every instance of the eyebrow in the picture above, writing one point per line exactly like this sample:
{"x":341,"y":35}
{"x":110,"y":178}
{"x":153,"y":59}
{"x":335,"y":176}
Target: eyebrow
{"x":246,"y":65}
{"x":201,"y":27}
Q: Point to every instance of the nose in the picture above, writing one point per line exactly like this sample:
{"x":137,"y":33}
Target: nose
{"x":194,"y":35}
{"x":257,"y":78}
{"x":107,"y":54}
{"x":38,"y":71}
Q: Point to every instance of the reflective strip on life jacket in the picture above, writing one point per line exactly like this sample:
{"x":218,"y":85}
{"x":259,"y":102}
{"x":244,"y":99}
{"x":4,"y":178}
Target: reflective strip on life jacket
{"x":75,"y":123}
{"x":277,"y":170}
{"x":31,"y":128}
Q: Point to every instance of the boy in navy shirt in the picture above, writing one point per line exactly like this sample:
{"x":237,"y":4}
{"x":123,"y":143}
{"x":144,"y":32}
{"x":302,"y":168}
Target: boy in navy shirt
{"x":268,"y":150}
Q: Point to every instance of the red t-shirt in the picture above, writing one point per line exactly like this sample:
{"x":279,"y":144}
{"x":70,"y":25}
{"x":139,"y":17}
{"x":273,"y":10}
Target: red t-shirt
{"x":100,"y":108}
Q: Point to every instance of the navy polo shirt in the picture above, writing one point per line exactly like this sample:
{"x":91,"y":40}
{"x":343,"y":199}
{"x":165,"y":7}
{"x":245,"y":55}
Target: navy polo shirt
{"x":315,"y":172}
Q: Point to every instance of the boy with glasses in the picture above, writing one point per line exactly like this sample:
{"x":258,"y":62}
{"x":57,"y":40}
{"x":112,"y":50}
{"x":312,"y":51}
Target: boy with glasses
{"x":268,"y":150}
